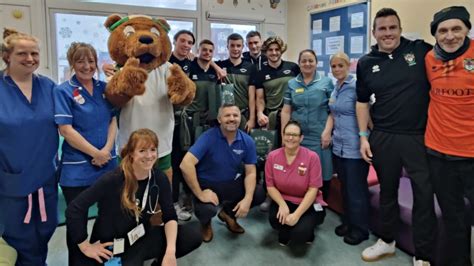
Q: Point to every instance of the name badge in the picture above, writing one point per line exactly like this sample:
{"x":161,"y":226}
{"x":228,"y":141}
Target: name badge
{"x":119,"y":246}
{"x":278,"y":167}
{"x":317,"y":207}
{"x":299,"y":90}
{"x":136,"y":233}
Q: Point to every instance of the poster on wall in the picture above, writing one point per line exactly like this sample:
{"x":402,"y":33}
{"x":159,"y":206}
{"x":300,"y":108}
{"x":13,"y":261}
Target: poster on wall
{"x":341,"y":29}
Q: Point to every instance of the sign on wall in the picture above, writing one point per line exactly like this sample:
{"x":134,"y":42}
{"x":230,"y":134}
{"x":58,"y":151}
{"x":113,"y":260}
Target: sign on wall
{"x":342,"y":29}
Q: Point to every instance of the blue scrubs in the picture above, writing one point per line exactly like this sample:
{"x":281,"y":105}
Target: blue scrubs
{"x":28,"y":147}
{"x":310,"y":107}
{"x":90,"y":116}
{"x":219,"y":161}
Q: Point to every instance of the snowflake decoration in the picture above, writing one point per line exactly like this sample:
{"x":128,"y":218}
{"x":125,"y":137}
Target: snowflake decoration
{"x":65,"y":32}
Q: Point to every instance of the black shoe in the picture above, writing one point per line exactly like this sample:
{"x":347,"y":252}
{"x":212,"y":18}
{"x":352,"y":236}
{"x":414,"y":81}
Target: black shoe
{"x":355,"y":237}
{"x":342,"y":230}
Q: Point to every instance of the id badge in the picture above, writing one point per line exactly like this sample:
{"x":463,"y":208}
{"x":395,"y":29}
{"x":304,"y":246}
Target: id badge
{"x":119,"y":246}
{"x":317,"y":207}
{"x":136,"y":233}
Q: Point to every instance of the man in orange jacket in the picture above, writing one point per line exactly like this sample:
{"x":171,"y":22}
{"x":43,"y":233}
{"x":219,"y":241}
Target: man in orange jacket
{"x":449,"y":136}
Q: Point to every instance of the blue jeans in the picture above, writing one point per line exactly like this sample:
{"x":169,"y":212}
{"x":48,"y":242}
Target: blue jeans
{"x":355,"y":193}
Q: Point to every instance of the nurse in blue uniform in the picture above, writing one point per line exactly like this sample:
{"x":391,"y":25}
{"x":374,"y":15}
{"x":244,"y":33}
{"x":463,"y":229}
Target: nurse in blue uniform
{"x":306,"y":101}
{"x":86,"y":122}
{"x":28,"y":147}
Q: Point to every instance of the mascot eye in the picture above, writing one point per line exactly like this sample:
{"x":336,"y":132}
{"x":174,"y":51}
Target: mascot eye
{"x":155,"y":31}
{"x":128,"y":31}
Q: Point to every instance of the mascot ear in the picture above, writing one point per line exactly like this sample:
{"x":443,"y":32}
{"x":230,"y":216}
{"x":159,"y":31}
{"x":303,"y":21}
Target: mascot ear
{"x":111,"y":20}
{"x":163,"y":23}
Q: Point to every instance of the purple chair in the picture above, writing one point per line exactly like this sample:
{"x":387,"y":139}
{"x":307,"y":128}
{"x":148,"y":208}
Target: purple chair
{"x":405,"y":235}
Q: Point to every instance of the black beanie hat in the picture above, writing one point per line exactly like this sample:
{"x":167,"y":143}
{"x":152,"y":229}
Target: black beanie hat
{"x":451,"y":12}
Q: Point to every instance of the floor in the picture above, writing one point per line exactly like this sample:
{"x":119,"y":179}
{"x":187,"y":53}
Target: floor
{"x":259,"y":246}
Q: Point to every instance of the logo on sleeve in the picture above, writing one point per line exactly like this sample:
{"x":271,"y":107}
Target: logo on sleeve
{"x":469,"y":64}
{"x":410,"y":59}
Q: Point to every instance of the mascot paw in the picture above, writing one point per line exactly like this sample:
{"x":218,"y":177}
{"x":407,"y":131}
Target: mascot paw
{"x":133,"y":77}
{"x":181,"y":89}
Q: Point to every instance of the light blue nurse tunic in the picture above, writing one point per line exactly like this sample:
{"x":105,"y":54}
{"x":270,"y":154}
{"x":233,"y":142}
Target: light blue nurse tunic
{"x":309,"y":106}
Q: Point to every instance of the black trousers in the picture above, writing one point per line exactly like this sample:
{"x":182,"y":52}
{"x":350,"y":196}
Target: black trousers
{"x":454,"y":180}
{"x":70,"y":193}
{"x":229,"y":194}
{"x":391,"y":152}
{"x":177,"y":155}
{"x":355,"y":192}
{"x":303,"y":230}
{"x":153,"y":246}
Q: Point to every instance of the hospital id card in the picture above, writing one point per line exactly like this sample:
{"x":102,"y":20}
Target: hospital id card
{"x":135,"y":234}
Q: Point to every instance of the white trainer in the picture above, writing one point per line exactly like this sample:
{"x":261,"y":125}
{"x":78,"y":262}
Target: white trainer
{"x":378,"y":251}
{"x":265,"y":206}
{"x":420,"y":262}
{"x":182,"y":214}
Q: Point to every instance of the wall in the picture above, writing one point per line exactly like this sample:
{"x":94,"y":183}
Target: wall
{"x":415,"y":15}
{"x":36,"y":17}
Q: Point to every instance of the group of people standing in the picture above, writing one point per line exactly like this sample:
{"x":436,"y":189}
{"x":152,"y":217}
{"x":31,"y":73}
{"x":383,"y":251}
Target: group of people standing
{"x":408,"y":107}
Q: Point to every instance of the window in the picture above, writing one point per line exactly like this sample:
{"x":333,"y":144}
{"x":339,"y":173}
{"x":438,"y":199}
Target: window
{"x":171,"y":4}
{"x":219,"y":33}
{"x":90,"y":29}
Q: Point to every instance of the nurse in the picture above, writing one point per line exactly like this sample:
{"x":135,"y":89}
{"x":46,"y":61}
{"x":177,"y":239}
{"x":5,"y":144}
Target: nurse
{"x":306,"y":101}
{"x":86,"y":122}
{"x":28,"y":147}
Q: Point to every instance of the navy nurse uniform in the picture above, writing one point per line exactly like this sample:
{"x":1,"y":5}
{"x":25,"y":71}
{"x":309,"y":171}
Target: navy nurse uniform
{"x":28,"y":148}
{"x":90,"y":116}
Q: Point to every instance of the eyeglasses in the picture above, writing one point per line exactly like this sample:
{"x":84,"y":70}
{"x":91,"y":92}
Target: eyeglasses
{"x":294,"y":135}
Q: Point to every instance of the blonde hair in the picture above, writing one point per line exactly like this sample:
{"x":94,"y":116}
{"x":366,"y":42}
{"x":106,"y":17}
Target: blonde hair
{"x":340,"y":55}
{"x":10,"y":39}
{"x":138,"y":138}
{"x":274,"y":40}
{"x":79,"y":50}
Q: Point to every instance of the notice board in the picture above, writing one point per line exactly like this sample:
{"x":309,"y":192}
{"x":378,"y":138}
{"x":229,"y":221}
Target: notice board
{"x":341,"y":29}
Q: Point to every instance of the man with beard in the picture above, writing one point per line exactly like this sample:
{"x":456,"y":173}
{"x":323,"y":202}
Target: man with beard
{"x":242,"y":75}
{"x":220,"y":169}
{"x":449,"y":133}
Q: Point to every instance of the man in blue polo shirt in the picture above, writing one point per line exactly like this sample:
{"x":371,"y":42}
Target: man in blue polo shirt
{"x":214,"y":169}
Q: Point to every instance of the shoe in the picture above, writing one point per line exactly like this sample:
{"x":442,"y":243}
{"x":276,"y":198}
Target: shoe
{"x":420,"y":262}
{"x":181,"y":213}
{"x":378,"y":251}
{"x":265,"y":206}
{"x":187,"y":203}
{"x":355,"y":238}
{"x":231,"y":223}
{"x":207,"y":233}
{"x":342,"y":230}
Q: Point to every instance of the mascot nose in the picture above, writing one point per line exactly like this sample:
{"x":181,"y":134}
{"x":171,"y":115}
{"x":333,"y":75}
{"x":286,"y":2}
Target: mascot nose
{"x":145,"y":39}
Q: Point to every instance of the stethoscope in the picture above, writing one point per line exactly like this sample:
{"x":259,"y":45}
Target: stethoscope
{"x":144,"y":200}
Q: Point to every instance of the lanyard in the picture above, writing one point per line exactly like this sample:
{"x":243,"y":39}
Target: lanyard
{"x":145,"y":195}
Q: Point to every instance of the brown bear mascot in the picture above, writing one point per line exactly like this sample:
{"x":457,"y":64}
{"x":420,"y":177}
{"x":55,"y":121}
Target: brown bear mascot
{"x":146,"y":85}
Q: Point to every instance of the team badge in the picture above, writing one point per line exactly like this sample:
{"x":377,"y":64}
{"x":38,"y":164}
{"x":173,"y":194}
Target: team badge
{"x":243,"y":70}
{"x":410,"y":59}
{"x":375,"y":68}
{"x":78,"y":97}
{"x":286,"y":72}
{"x":469,"y":64}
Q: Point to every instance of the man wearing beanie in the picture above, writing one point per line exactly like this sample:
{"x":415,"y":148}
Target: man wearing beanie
{"x":394,"y":71}
{"x":449,"y":136}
